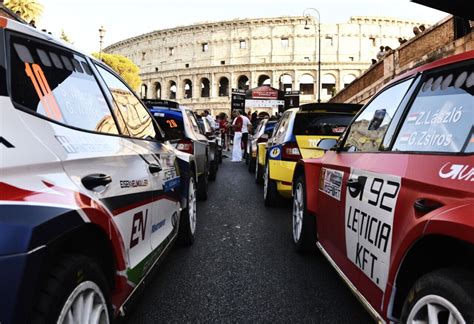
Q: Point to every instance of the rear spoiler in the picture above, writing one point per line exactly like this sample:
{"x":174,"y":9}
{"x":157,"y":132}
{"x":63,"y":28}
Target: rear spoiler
{"x":332,"y":107}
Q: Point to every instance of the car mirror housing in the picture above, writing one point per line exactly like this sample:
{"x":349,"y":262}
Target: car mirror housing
{"x":327,"y":144}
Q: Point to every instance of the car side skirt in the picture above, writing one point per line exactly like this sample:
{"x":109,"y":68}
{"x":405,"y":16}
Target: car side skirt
{"x":353,"y":289}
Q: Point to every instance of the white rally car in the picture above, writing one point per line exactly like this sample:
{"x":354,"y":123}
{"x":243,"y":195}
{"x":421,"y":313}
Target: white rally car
{"x":91,"y":194}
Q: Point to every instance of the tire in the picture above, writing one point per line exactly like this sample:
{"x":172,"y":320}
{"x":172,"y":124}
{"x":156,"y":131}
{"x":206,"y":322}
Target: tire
{"x":202,"y":187}
{"x":71,"y":277}
{"x":449,"y":291}
{"x":303,"y":223}
{"x":258,"y":172}
{"x":252,"y":165}
{"x":212,"y":171}
{"x":247,"y":158}
{"x":270,"y":192}
{"x":187,"y":219}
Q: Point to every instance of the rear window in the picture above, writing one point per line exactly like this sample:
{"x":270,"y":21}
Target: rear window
{"x":442,"y":115}
{"x":321,"y":124}
{"x":171,"y":125}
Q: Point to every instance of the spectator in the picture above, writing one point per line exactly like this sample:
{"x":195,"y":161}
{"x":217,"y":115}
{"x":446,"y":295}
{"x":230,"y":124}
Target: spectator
{"x":387,"y":49}
{"x":211,"y":120}
{"x":224,"y":129}
{"x":402,"y":40}
{"x":416,"y":31}
{"x":374,"y":61}
{"x":246,"y":127}
{"x":422,"y":28}
{"x":380,"y":53}
{"x":237,"y":126}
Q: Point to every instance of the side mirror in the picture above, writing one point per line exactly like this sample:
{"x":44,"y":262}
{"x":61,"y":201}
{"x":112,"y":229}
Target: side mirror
{"x":327,"y":144}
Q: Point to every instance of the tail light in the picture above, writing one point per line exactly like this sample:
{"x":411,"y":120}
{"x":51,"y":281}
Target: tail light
{"x":291,"y":152}
{"x":185,"y":145}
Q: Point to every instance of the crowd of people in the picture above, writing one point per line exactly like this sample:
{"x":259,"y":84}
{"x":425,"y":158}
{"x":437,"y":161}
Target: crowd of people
{"x":235,"y":130}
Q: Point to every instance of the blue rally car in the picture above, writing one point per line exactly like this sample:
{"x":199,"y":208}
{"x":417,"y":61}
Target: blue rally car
{"x":91,"y":195}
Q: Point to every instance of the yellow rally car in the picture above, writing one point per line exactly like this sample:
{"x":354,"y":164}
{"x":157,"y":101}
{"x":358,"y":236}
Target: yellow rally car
{"x":296,"y":136}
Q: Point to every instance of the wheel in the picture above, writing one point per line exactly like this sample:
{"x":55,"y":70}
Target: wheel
{"x":270,"y":193}
{"x":442,"y":296}
{"x":213,"y":171}
{"x":304,"y":224}
{"x":74,"y":292}
{"x":258,"y":172}
{"x":252,"y":165}
{"x":202,"y":187}
{"x":187,"y":220}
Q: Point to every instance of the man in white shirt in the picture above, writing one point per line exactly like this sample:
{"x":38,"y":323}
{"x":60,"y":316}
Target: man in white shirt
{"x":211,"y":120}
{"x":246,"y":124}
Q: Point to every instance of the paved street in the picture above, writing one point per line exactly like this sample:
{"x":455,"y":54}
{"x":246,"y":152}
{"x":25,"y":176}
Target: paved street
{"x":242,"y":267}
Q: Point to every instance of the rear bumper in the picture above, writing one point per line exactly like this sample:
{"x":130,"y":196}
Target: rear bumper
{"x":284,"y":189}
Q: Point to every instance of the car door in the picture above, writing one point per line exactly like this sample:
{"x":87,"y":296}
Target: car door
{"x":59,"y":86}
{"x":358,"y":190}
{"x":159,"y":159}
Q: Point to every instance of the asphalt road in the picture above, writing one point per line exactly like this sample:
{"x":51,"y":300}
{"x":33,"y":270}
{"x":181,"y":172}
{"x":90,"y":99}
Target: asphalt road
{"x":243,"y":268}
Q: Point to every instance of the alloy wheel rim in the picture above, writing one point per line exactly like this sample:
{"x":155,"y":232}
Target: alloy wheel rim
{"x":298,"y":212}
{"x":435,"y":309}
{"x":86,"y":304}
{"x":192,"y":205}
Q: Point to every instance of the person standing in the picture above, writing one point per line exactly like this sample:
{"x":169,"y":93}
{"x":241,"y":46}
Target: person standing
{"x":237,"y":126}
{"x":246,"y":126}
{"x":211,"y":120}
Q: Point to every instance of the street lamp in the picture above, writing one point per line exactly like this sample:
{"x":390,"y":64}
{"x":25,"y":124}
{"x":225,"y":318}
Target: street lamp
{"x":101,"y":39}
{"x":307,"y":15}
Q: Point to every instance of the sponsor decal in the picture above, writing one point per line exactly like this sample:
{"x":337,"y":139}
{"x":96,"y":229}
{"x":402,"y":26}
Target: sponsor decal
{"x":338,"y":130}
{"x":370,"y":206}
{"x":331,"y":182}
{"x":313,"y":142}
{"x":457,"y":172}
{"x":133,"y":183}
{"x":157,"y":226}
{"x":157,"y":114}
{"x":275,"y":152}
{"x":405,"y":137}
{"x":138,"y":226}
{"x":83,"y":144}
{"x":171,"y":184}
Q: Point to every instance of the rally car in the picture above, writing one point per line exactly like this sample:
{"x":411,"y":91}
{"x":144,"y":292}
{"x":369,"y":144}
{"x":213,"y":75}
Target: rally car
{"x":262,"y":133}
{"x":391,"y":206}
{"x":215,"y":147}
{"x":182,"y":129}
{"x":91,"y":198}
{"x":296,"y":136}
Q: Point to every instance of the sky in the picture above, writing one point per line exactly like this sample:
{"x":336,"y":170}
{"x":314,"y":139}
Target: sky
{"x":81,"y":19}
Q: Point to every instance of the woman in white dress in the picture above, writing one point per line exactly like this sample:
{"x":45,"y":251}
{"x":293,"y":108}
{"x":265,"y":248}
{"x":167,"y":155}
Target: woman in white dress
{"x":237,"y":149}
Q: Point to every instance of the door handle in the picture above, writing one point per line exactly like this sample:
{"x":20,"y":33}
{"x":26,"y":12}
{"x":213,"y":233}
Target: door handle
{"x":92,"y":181}
{"x":353,"y":183}
{"x":154,"y":168}
{"x":425,"y":206}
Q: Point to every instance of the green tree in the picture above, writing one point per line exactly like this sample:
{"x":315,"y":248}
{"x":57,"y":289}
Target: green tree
{"x":27,"y":9}
{"x":124,"y":67}
{"x":65,"y":37}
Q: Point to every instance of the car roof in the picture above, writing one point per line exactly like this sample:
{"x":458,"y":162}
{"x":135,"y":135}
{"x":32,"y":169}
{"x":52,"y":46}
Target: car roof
{"x":323,"y":107}
{"x":13,"y":25}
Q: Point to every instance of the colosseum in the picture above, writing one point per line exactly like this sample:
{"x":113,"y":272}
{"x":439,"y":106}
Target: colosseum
{"x":198,"y":65}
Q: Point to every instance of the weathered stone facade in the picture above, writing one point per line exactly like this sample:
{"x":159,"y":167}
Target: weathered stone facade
{"x":199,"y":64}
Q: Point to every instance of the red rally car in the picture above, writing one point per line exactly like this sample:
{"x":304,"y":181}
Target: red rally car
{"x":391,"y":205}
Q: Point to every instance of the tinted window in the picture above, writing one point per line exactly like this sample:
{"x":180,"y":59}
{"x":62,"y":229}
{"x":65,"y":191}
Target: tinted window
{"x":172,"y":125}
{"x":367,"y":131}
{"x":43,"y":86}
{"x":136,"y":117}
{"x":442,"y":114}
{"x":280,"y":130}
{"x":318,"y":124}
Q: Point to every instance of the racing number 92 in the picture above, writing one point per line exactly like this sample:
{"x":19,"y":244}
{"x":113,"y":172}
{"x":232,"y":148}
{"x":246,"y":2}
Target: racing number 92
{"x":378,"y":184}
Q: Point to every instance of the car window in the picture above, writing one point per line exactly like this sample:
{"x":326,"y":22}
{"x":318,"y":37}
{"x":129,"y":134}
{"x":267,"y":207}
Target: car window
{"x":136,"y":117}
{"x":321,"y":124}
{"x":367,"y":131}
{"x":173,"y":126}
{"x":282,"y":126}
{"x":442,"y":115}
{"x":194,"y":123}
{"x":42,"y":85}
